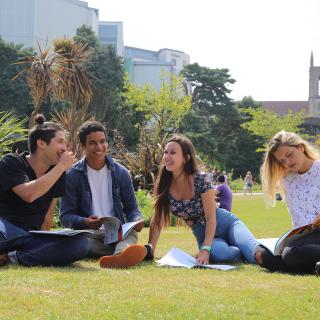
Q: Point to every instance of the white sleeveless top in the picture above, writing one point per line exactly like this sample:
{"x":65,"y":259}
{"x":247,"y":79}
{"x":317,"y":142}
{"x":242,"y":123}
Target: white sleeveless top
{"x":303,"y":195}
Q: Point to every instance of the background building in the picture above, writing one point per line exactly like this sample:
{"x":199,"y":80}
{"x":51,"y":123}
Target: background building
{"x":146,"y":66}
{"x":28,"y":21}
{"x":111,"y":33}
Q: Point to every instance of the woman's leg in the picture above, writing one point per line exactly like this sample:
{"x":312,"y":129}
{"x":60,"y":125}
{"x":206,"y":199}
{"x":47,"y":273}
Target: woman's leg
{"x":302,"y":254}
{"x":222,"y":252}
{"x":240,"y":236}
{"x":267,"y":260}
{"x":235,"y":233}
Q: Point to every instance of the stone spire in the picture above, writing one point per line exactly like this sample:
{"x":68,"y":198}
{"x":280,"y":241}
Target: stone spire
{"x":311,"y":59}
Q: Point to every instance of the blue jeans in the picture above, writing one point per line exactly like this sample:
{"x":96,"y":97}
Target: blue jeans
{"x":233,"y":241}
{"x":40,"y":250}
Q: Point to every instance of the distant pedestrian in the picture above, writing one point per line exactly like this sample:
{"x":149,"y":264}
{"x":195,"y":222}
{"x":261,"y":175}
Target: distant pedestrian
{"x":248,"y":179}
{"x":224,"y":193}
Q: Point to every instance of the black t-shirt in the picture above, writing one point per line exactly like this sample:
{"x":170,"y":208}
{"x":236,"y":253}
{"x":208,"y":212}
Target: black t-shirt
{"x":15,"y":170}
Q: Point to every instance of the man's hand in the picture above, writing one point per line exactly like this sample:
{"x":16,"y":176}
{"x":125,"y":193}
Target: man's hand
{"x":139,"y":226}
{"x":66,"y":160}
{"x":94,"y":222}
{"x":316,"y":222}
{"x":203,"y":257}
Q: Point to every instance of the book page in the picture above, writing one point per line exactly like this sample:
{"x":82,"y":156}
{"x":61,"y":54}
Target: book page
{"x":127,"y":227}
{"x":269,"y":243}
{"x":290,"y":235}
{"x":61,"y":232}
{"x":177,"y":258}
{"x":111,"y":230}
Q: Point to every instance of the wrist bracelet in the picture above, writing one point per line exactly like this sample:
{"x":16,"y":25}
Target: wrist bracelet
{"x":207,"y":248}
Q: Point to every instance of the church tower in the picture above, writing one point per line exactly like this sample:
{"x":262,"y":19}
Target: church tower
{"x":314,"y":97}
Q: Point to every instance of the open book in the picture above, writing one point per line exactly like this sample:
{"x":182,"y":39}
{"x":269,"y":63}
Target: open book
{"x":114,"y":231}
{"x":276,"y":245}
{"x":177,"y":258}
{"x":61,"y":232}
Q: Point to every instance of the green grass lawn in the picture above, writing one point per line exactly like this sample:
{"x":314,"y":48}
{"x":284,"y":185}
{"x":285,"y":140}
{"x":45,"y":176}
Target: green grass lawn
{"x":84,"y":291}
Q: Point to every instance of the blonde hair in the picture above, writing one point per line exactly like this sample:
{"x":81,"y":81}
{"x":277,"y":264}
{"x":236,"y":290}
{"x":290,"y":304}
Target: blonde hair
{"x":271,"y":171}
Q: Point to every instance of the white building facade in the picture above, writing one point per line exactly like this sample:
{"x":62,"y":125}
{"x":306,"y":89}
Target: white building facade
{"x":28,"y":21}
{"x":111,"y":33}
{"x":147,"y":66}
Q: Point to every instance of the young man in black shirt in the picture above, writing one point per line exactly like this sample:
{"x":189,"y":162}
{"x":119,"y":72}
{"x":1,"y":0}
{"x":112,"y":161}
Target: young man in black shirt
{"x":30,"y":184}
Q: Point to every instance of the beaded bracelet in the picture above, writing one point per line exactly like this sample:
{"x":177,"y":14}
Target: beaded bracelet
{"x":207,"y":248}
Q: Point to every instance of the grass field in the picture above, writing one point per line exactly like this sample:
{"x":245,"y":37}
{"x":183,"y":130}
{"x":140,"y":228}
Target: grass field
{"x":84,"y":291}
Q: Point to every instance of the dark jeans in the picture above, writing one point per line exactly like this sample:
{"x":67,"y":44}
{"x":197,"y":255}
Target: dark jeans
{"x":41,"y":250}
{"x":300,"y":256}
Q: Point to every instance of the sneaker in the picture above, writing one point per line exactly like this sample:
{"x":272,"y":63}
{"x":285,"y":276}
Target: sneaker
{"x":129,"y":257}
{"x":4,"y":260}
{"x":149,"y":256}
{"x":317,"y":269}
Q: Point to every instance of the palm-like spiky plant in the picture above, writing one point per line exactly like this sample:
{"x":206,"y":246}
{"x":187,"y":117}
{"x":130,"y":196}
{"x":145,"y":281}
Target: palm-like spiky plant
{"x":40,"y":77}
{"x":73,"y":83}
{"x":61,"y":75}
{"x":11,"y":130}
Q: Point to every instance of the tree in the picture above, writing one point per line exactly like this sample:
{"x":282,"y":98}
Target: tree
{"x":13,"y":94}
{"x":266,"y":124}
{"x":213,"y":121}
{"x":108,"y":104}
{"x":163,"y":112}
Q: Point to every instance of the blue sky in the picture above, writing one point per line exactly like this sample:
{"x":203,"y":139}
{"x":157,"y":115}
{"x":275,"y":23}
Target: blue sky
{"x":266,"y":44}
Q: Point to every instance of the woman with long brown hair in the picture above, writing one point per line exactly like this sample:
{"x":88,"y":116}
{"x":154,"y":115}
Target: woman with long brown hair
{"x":188,"y":194}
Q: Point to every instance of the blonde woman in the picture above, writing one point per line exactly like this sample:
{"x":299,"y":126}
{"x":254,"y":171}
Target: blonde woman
{"x":292,"y":166}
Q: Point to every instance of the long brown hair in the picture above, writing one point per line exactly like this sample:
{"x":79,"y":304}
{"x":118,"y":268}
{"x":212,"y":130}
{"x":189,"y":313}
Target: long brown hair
{"x":164,"y":179}
{"x":271,"y":171}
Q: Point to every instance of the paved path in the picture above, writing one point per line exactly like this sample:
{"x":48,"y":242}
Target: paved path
{"x":248,"y":194}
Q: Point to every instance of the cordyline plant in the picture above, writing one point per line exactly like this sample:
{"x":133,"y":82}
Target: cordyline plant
{"x":62,"y":76}
{"x":144,"y":163}
{"x":11,"y":130}
{"x":40,"y":77}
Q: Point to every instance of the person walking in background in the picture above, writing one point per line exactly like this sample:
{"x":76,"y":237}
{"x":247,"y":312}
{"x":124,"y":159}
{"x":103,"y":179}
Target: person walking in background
{"x":226,"y":178}
{"x":182,"y":189}
{"x":224,"y":194}
{"x":292,"y":167}
{"x":248,"y":180}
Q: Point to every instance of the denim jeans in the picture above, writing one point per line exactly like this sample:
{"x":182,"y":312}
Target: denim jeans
{"x":97,"y":248}
{"x":40,"y":250}
{"x":233,"y":241}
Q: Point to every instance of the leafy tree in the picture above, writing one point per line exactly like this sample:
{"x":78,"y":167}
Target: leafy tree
{"x":266,"y":124}
{"x":213,"y":121}
{"x":163,"y":112}
{"x":164,"y":108}
{"x":13,"y":94}
{"x":108,"y":104}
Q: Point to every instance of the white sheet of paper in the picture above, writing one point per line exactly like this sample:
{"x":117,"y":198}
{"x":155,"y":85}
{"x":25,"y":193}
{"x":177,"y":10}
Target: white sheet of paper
{"x":269,"y":243}
{"x":61,"y":232}
{"x":178,"y":258}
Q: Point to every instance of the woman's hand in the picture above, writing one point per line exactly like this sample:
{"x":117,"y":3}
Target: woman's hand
{"x":203,"y":257}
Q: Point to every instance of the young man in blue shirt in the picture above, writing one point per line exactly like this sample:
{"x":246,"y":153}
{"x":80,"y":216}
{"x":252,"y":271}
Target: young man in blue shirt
{"x":98,"y":187}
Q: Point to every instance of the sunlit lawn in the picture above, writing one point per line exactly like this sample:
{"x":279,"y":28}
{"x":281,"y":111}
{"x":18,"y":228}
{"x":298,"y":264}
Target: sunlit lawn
{"x":85,"y":291}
